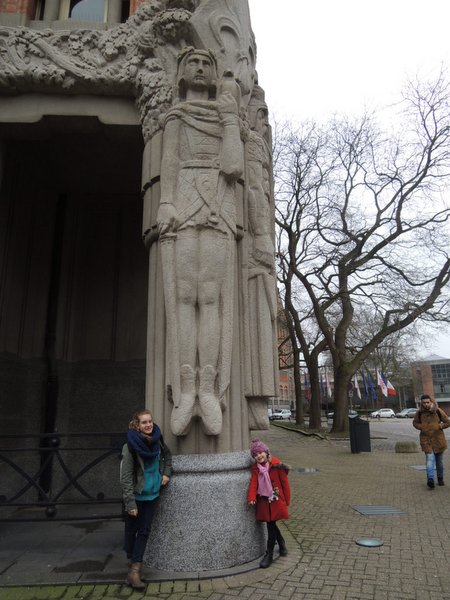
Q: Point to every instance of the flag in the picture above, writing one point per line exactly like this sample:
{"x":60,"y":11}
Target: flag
{"x":356,"y":386}
{"x":307,"y":386}
{"x":390,"y":388}
{"x":366,"y":389}
{"x":381,"y":382}
{"x":371,"y":386}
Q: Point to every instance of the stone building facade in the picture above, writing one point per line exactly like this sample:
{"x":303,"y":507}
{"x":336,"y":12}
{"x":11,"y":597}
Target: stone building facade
{"x":81,"y":105}
{"x":114,"y":169}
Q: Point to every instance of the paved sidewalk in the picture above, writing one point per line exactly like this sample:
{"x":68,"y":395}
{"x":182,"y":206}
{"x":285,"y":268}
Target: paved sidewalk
{"x":324,"y":561}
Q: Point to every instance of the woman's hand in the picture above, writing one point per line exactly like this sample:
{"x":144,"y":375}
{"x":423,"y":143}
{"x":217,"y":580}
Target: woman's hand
{"x":165,"y":480}
{"x":133,"y":512}
{"x":252,"y":502}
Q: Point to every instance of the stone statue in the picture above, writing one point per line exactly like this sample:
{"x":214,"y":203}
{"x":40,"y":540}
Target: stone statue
{"x":202,"y":160}
{"x":261,"y":264}
{"x":208,"y":228}
{"x":259,"y":163}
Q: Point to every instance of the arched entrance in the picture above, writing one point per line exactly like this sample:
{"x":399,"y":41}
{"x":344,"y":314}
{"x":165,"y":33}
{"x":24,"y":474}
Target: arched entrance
{"x":73,"y":276}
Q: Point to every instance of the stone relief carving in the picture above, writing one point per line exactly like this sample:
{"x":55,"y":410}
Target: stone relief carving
{"x":227,"y":32}
{"x":261,"y":262}
{"x":202,"y":160}
{"x":137,"y":58}
{"x":215,"y":242}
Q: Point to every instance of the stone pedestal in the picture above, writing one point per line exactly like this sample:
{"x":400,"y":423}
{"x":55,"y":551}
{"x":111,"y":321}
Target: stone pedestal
{"x":203,"y":522}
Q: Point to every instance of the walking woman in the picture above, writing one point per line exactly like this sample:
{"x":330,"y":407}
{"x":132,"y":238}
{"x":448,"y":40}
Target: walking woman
{"x":146,"y":466}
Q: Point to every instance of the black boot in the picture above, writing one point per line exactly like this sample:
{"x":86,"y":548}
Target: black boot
{"x":430,"y":483}
{"x":440,"y":481}
{"x":282,"y":545}
{"x":267,"y":560}
{"x":268,"y":556}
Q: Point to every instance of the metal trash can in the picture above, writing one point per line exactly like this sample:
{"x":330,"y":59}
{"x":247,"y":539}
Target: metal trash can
{"x":359,"y":435}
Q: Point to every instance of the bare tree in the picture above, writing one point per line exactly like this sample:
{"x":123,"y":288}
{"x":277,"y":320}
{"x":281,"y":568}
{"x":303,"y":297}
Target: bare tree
{"x":363,"y":224}
{"x":393,"y":356}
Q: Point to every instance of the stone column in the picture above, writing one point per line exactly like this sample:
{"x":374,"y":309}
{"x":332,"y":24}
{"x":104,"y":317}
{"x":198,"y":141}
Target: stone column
{"x":51,"y":10}
{"x":209,"y":372}
{"x":114,"y":11}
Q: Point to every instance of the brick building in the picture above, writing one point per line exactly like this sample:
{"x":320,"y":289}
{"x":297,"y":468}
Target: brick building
{"x":286,"y":396}
{"x":432,"y":376}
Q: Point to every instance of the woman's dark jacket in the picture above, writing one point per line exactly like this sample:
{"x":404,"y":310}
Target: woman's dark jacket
{"x":132,"y":472}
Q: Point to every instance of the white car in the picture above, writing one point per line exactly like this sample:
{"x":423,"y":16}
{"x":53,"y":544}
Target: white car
{"x":351,"y":413}
{"x":407,"y":413}
{"x":386,"y":413}
{"x":279,"y":415}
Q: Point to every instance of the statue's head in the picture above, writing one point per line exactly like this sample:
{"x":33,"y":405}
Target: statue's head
{"x":197,"y":70}
{"x":258,"y":113}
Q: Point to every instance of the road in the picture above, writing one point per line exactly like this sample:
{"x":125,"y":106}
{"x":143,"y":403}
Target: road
{"x":393,"y":429}
{"x":384,"y":433}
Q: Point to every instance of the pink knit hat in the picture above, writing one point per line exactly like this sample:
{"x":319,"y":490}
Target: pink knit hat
{"x":257,"y":446}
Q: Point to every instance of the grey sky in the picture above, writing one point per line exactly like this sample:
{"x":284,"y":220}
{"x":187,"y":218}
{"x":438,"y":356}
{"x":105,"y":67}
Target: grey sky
{"x":321,"y":57}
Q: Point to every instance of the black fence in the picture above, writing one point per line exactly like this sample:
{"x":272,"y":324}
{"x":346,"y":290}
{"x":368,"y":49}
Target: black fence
{"x":60,"y":476}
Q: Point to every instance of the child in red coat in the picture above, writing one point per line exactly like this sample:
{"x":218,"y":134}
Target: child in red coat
{"x":269,"y":489}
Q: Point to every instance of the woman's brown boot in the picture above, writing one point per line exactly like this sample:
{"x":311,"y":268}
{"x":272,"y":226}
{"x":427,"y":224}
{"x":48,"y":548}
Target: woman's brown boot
{"x":134,"y":576}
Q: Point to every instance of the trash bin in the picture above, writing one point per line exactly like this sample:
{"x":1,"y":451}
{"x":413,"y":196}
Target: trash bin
{"x":359,"y":435}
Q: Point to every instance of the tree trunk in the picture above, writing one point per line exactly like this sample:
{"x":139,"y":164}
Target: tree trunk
{"x":340,"y":420}
{"x":315,"y":418}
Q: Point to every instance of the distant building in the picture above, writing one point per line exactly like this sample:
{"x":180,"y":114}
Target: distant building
{"x":286,"y":396}
{"x":431,"y":375}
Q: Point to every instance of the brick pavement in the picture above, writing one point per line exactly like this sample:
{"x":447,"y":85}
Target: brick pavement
{"x":324,"y":562}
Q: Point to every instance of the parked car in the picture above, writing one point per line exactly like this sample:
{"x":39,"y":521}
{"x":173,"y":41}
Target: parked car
{"x":406,"y":413}
{"x":351,"y":414}
{"x":279,"y":415}
{"x":383,"y":413}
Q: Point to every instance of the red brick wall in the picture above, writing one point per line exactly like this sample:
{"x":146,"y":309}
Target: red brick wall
{"x":23,"y":7}
{"x":427,"y":380}
{"x":134,"y":5}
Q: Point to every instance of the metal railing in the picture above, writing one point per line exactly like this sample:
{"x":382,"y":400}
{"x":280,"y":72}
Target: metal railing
{"x":60,"y":476}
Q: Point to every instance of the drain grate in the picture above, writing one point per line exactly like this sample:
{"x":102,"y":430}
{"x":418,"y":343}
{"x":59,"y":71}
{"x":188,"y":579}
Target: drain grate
{"x":307,"y":470}
{"x":369,"y":542}
{"x":372,"y":509}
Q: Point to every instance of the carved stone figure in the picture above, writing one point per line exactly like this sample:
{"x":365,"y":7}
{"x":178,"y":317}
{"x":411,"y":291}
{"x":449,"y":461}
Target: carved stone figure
{"x":261,"y":266}
{"x":207,"y":226}
{"x":202,"y":160}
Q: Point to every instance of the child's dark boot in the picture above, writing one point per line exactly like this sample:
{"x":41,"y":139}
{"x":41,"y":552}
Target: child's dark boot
{"x":268,"y":556}
{"x":267,"y":560}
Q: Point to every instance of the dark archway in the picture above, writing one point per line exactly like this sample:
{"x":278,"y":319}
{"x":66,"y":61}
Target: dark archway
{"x":73,"y":277}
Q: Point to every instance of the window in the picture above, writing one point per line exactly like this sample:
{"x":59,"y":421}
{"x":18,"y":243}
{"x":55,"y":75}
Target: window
{"x":88,"y":10}
{"x":441,"y":380}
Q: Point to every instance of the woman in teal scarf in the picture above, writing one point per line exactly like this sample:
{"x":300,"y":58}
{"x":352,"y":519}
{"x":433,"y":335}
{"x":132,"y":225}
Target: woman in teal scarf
{"x":146,"y":467}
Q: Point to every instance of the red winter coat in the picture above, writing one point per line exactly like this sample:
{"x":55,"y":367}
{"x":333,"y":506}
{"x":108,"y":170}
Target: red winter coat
{"x":277,"y":509}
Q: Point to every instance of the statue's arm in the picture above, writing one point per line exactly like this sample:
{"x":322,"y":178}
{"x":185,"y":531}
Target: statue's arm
{"x":232,"y":155}
{"x":167,"y":218}
{"x":258,"y":215}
